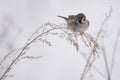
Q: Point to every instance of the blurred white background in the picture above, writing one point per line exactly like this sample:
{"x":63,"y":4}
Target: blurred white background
{"x":20,"y":18}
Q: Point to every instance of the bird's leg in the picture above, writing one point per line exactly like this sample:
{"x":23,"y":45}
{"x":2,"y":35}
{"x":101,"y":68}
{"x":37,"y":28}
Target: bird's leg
{"x":74,"y":29}
{"x":81,"y":33}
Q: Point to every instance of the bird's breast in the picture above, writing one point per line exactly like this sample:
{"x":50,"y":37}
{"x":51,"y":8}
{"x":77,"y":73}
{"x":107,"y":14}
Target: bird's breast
{"x":82,"y":27}
{"x":75,"y":27}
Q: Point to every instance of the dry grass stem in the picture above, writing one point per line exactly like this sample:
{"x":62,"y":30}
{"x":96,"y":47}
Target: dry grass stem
{"x":62,"y":32}
{"x":46,"y":30}
{"x":114,"y":52}
{"x":91,"y":57}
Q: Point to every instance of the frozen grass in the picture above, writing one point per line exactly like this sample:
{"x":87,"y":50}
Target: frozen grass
{"x":62,"y":32}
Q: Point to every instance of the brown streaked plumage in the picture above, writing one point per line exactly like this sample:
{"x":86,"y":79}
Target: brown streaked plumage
{"x":76,"y":23}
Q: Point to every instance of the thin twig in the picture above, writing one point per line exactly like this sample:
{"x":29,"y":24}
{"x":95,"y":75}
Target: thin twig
{"x":114,"y":52}
{"x":106,"y":63}
{"x":22,"y":51}
{"x":86,"y":68}
{"x":89,"y":63}
{"x":1,"y":62}
{"x":96,"y":69}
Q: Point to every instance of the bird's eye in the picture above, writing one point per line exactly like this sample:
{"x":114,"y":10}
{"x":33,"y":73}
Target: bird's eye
{"x":84,"y":19}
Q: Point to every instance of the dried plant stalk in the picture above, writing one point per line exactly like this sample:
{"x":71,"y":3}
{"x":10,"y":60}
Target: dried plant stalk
{"x":91,"y":57}
{"x":23,"y":50}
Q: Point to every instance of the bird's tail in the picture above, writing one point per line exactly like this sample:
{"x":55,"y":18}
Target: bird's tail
{"x":63,"y":17}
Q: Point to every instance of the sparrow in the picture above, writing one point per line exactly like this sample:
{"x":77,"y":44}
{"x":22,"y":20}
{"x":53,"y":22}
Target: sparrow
{"x":76,"y":23}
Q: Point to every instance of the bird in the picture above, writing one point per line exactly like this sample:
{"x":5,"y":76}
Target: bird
{"x":76,"y":23}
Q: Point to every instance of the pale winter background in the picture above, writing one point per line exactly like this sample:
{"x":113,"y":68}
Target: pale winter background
{"x":20,"y":18}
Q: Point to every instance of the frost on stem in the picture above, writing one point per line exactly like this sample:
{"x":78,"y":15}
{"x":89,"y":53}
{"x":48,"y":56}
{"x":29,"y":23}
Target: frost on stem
{"x":91,"y":59}
{"x":40,"y":36}
{"x":62,"y":32}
